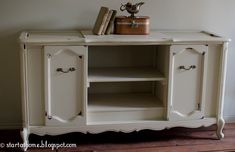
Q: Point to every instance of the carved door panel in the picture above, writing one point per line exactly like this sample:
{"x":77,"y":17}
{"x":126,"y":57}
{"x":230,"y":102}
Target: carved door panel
{"x":65,"y":92}
{"x":188,"y":66}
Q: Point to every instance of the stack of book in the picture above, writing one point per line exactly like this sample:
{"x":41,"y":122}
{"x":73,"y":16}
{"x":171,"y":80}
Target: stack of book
{"x":104,"y":21}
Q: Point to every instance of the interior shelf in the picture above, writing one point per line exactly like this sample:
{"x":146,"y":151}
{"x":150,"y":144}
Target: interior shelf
{"x":122,"y":102}
{"x":110,"y":74}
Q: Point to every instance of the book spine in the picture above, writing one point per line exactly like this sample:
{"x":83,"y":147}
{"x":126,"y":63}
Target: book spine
{"x":111,"y":23}
{"x":107,"y":22}
{"x":102,"y":24}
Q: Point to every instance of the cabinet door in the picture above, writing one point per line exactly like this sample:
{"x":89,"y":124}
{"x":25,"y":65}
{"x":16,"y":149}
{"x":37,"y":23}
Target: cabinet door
{"x":187,"y":79}
{"x":65,"y":91}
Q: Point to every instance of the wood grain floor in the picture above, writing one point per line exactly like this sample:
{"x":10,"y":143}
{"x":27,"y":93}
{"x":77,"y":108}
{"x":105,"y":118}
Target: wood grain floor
{"x":172,"y":140}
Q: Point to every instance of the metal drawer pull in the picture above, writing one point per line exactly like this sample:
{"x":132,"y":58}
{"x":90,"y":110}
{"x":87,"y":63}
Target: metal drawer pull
{"x":189,"y":68}
{"x":189,"y":48}
{"x":67,"y":71}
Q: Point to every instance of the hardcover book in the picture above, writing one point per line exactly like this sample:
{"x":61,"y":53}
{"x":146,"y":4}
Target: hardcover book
{"x":107,"y":21}
{"x":111,"y":23}
{"x":100,"y":20}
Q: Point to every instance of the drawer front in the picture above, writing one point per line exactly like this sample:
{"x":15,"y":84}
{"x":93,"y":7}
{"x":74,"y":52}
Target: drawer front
{"x":187,"y":82}
{"x":64,"y":83}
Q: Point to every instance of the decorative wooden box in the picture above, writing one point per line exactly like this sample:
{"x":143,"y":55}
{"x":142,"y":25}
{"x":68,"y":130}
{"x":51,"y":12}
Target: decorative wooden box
{"x":131,"y":26}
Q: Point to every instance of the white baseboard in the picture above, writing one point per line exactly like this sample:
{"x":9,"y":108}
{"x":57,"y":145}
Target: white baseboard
{"x":229,"y":119}
{"x":7,"y":126}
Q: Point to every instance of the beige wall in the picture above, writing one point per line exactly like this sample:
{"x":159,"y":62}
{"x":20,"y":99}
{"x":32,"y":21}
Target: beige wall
{"x":18,"y":15}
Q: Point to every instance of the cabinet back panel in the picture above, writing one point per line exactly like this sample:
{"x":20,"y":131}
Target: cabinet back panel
{"x":121,"y":87}
{"x":121,"y":56}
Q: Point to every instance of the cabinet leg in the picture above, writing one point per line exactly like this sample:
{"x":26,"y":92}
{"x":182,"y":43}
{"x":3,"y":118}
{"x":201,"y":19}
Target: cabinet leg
{"x":220,"y":126}
{"x":25,"y":135}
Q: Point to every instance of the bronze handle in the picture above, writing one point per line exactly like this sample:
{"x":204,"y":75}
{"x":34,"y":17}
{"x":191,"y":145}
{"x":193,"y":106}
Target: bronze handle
{"x":65,"y":71}
{"x":189,"y":68}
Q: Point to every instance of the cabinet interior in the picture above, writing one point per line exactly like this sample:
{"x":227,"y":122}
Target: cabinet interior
{"x":127,"y":83}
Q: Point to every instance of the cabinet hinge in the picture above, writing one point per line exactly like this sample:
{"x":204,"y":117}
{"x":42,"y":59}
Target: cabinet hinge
{"x":198,"y":106}
{"x":203,"y":53}
{"x":48,"y":117}
{"x":49,"y":55}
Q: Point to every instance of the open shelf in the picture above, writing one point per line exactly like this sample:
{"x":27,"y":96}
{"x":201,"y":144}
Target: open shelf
{"x":124,"y":107}
{"x":122,"y":102}
{"x":125,"y":74}
{"x":127,"y":83}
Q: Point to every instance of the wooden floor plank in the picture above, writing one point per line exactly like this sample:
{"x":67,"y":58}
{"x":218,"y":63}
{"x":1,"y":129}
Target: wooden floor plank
{"x":193,"y":148}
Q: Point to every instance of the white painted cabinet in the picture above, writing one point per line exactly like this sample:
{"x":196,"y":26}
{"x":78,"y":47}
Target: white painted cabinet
{"x":79,"y":82}
{"x":187,"y":89}
{"x":65,"y":92}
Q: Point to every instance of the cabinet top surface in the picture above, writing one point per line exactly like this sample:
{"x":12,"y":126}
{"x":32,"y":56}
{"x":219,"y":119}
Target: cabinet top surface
{"x":51,"y":37}
{"x":87,"y":38}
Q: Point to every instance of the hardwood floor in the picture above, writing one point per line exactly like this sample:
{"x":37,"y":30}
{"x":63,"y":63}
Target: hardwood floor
{"x":172,"y":140}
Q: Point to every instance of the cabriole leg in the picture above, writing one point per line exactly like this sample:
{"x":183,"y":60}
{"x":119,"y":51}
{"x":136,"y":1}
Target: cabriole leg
{"x":25,"y":135}
{"x":220,"y":126}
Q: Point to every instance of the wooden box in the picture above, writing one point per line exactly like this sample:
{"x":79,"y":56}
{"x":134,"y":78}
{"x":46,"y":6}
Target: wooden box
{"x":131,"y":26}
